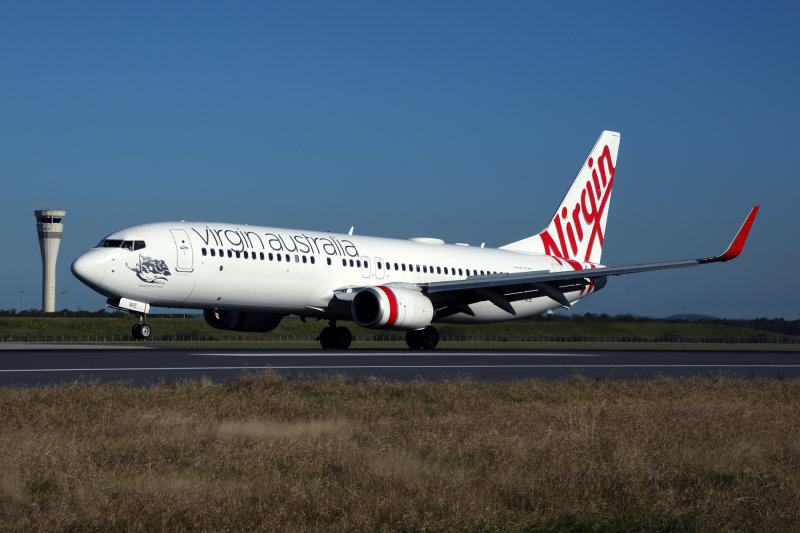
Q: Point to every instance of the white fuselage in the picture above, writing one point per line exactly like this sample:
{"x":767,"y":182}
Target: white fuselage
{"x":284,"y":271}
{"x":246,"y":278}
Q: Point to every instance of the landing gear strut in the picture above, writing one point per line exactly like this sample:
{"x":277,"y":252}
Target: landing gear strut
{"x":422,"y":339}
{"x":333,"y":337}
{"x":141,"y":330}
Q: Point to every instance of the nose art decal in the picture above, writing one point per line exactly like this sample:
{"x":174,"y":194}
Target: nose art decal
{"x":151,"y":270}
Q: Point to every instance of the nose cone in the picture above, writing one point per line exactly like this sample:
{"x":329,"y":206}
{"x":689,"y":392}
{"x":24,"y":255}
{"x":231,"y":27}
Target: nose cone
{"x":90,"y":268}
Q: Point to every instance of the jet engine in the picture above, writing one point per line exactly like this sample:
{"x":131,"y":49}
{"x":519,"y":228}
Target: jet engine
{"x":391,"y":307}
{"x":241,"y":320}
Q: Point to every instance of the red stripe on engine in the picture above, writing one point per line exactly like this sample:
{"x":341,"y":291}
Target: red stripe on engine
{"x":392,"y":306}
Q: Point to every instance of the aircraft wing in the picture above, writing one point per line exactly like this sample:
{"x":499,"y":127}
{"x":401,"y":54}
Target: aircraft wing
{"x":450,"y":297}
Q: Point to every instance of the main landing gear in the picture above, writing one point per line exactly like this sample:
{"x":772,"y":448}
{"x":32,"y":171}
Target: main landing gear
{"x":422,"y":339}
{"x":141,"y":330}
{"x":333,"y":337}
{"x":340,"y":338}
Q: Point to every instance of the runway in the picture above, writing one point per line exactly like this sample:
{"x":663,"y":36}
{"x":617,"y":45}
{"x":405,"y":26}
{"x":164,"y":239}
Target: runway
{"x":146,"y":366}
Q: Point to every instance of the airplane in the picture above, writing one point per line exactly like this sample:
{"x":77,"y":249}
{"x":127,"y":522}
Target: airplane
{"x":248,"y":278}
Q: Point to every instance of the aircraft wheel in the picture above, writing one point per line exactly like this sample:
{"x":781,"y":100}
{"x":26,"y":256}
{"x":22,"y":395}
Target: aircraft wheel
{"x":343,"y":338}
{"x":145,"y":331}
{"x":429,"y":338}
{"x":136,"y":331}
{"x":328,"y":338}
{"x":414,"y":339}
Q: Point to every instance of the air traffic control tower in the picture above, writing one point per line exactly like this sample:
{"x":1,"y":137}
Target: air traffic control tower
{"x":48,"y":223}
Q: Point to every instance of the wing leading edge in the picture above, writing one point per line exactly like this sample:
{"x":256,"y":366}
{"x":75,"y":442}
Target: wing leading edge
{"x":501,"y":289}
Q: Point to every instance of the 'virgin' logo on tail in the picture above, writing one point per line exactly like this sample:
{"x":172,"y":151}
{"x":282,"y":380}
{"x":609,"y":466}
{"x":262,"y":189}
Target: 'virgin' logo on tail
{"x":584,"y":221}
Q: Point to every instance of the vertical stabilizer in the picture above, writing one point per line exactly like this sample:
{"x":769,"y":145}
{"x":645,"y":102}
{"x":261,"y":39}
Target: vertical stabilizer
{"x":577,"y":229}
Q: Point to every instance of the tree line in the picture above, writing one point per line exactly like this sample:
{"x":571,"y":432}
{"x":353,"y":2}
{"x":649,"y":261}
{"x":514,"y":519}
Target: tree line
{"x":772,"y":325}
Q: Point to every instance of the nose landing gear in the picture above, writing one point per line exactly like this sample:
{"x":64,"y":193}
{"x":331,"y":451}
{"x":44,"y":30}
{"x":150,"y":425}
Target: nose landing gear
{"x":141,"y":330}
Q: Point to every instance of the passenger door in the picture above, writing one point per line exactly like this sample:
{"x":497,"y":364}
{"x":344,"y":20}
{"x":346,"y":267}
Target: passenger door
{"x":183,"y":246}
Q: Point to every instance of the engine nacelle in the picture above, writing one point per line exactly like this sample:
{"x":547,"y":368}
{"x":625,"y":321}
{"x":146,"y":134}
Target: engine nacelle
{"x":393,"y":308}
{"x":253,"y":321}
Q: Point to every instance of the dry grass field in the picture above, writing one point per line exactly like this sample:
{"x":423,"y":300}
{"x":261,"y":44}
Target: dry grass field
{"x":265,"y":453}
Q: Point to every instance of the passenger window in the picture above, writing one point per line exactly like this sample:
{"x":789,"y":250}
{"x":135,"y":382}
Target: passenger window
{"x":238,"y":254}
{"x":358,"y":263}
{"x":351,"y":262}
{"x":417,"y":268}
{"x":404,"y":267}
{"x":425,"y":268}
{"x":213,"y":253}
{"x":329,"y":261}
{"x":278,"y":256}
{"x":288,"y":259}
{"x":221,"y":252}
{"x":366,"y":264}
{"x":344,"y":262}
{"x":261,"y":255}
{"x":269,"y":256}
{"x":379,"y":265}
{"x":460,"y":272}
{"x":245,"y":255}
{"x":305,"y":259}
{"x":204,"y":252}
{"x":312,"y":259}
{"x":296,"y":258}
{"x":395,"y":267}
{"x":230,"y":253}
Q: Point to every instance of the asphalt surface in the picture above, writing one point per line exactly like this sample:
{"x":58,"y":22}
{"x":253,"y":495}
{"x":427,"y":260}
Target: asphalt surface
{"x":39,"y":365}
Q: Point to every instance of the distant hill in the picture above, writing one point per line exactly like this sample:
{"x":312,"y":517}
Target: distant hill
{"x":688,"y":317}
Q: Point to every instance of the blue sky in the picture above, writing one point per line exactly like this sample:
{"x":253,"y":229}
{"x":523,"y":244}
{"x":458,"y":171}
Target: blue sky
{"x":460,"y":120}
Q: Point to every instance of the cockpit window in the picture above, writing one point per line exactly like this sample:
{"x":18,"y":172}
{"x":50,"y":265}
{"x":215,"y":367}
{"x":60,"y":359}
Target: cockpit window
{"x":117,"y":243}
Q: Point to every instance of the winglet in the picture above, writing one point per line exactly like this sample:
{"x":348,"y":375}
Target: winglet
{"x":738,"y":241}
